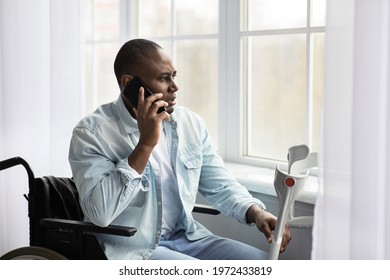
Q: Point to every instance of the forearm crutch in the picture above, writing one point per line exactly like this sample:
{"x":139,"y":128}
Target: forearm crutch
{"x":288,"y":186}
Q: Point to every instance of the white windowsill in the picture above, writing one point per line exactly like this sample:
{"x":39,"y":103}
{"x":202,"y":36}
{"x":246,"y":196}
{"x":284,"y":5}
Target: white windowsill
{"x":260,"y":180}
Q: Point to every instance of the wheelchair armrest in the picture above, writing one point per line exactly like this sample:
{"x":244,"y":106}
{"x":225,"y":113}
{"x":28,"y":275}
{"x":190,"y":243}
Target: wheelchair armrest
{"x":205,"y":209}
{"x":87,"y":227}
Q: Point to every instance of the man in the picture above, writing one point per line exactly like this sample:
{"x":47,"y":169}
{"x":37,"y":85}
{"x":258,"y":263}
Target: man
{"x":134,"y":166}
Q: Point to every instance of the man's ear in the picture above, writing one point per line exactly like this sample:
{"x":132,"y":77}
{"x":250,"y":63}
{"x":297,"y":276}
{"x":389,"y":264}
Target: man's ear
{"x":125,"y":79}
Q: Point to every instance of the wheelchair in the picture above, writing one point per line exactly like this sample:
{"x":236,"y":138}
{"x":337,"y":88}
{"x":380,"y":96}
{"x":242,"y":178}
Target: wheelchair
{"x":56,"y":226}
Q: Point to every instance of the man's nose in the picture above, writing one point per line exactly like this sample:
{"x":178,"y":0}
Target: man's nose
{"x":173,"y":86}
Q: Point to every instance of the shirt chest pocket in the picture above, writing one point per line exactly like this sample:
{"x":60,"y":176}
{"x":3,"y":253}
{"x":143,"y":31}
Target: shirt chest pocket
{"x":191,"y":162}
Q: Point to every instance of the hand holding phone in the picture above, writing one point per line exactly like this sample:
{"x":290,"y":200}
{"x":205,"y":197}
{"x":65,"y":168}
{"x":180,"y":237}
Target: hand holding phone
{"x":132,"y":91}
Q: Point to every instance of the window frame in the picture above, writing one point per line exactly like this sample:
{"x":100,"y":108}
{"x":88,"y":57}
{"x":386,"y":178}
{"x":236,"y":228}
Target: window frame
{"x":234,"y":46}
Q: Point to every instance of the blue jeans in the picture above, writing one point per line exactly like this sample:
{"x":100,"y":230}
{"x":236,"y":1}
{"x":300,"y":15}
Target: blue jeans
{"x":176,"y":246}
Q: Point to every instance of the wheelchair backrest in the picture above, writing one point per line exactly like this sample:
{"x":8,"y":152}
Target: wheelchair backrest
{"x":52,"y":197}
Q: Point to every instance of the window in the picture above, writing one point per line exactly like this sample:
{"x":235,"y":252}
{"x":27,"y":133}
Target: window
{"x":252,"y":68}
{"x":282,"y":60}
{"x":102,"y":34}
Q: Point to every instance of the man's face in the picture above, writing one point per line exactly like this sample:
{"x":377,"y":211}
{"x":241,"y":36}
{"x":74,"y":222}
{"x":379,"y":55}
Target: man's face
{"x":158,"y":73}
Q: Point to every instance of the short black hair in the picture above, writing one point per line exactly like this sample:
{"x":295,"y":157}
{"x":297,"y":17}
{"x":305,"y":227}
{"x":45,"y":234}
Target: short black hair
{"x":131,"y":55}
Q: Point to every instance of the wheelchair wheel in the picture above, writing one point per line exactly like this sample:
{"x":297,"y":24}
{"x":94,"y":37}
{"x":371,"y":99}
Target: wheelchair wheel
{"x":32,"y":253}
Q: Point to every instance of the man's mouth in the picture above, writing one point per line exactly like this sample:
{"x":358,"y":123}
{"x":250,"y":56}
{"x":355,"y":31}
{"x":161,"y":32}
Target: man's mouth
{"x":171,"y":104}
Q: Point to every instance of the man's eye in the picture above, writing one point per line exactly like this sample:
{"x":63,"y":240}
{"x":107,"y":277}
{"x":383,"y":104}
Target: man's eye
{"x":168,"y":78}
{"x":165,"y":79}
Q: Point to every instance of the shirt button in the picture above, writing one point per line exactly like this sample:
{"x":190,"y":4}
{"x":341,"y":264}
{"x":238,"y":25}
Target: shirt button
{"x":156,"y":173}
{"x":158,"y":232}
{"x":145,"y":257}
{"x":159,"y":203}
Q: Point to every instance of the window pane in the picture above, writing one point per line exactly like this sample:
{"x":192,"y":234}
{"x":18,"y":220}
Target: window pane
{"x":101,"y":85}
{"x":277,"y":96}
{"x":196,"y":17}
{"x":197,"y":68}
{"x":318,"y":12}
{"x":275,"y":14}
{"x":318,"y":86}
{"x":106,"y":16}
{"x":107,"y":86}
{"x":155,"y":18}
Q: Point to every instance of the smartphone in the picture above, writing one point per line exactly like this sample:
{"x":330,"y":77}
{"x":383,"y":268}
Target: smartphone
{"x":132,"y":91}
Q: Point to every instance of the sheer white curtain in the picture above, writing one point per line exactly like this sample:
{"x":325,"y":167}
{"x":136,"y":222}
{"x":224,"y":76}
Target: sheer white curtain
{"x":352,"y":215}
{"x":40,"y":99}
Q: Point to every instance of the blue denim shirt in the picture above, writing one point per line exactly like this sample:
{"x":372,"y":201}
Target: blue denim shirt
{"x":111,"y":192}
